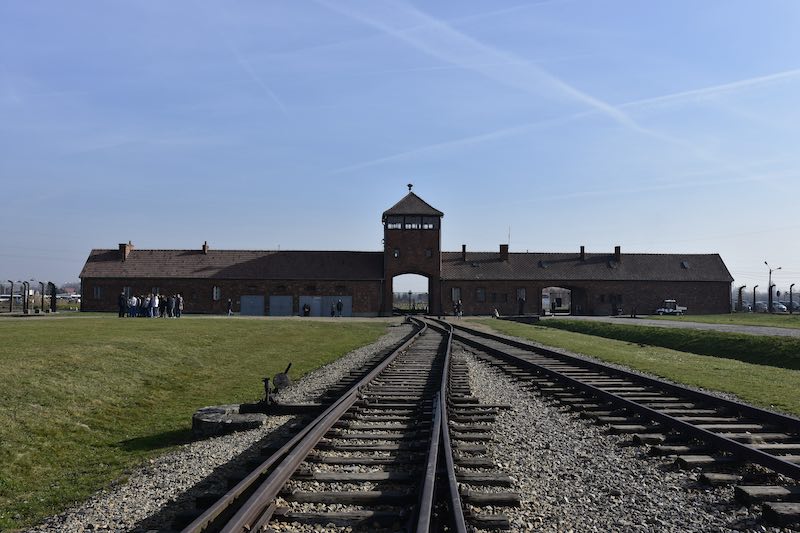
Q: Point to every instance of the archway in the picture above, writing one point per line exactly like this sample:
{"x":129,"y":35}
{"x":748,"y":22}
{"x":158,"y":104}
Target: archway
{"x":557,"y":301}
{"x":410,"y":294}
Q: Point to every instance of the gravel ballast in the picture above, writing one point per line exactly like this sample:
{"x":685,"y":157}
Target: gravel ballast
{"x":575,"y":476}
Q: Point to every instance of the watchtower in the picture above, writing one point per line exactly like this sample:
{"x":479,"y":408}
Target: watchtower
{"x":412,"y":245}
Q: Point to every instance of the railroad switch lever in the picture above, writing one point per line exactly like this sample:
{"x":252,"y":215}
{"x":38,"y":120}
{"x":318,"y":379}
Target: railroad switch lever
{"x":282,"y":380}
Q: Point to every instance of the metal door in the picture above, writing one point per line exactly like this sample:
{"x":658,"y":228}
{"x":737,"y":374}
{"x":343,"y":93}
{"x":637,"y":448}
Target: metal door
{"x":347,"y":304}
{"x":315,"y":303}
{"x":251,"y":305}
{"x":280,"y":306}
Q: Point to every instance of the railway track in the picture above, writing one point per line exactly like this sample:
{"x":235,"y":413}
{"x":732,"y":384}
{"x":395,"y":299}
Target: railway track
{"x":389,"y":454}
{"x":723,"y":438}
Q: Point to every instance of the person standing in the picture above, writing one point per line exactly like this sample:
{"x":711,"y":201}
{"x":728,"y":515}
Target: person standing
{"x":133,"y":303}
{"x":339,"y":307}
{"x":179,"y":305}
{"x":153,"y":306}
{"x":122,"y":303}
{"x":230,"y":307}
{"x":171,"y":306}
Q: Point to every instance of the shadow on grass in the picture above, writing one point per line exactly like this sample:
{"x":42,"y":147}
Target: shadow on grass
{"x":157,"y":441}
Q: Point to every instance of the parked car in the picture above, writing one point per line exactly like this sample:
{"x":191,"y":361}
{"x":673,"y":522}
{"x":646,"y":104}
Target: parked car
{"x":670,"y":307}
{"x":778,"y":307}
{"x":761,"y":307}
{"x":746,"y":308}
{"x":794,"y":306}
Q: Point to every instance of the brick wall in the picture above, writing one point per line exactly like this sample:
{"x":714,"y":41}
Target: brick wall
{"x":590,"y":297}
{"x":419,"y":253}
{"x":197,"y":293}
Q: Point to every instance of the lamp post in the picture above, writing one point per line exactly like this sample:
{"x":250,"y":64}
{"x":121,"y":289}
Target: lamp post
{"x":739,"y":303}
{"x":11,"y":299}
{"x":769,"y":299}
{"x":791,"y":301}
{"x":754,"y":297}
{"x":25,"y":289}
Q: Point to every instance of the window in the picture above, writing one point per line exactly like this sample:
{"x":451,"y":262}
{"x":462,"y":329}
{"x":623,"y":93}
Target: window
{"x":396,"y":253}
{"x":480,"y":294}
{"x":216,"y":293}
{"x":413,"y":223}
{"x":127,"y":291}
{"x":97,"y":292}
{"x":455,"y":294}
{"x":429,"y":222}
{"x":493,"y":297}
{"x":521,"y":294}
{"x":394,"y":222}
{"x":428,"y":252}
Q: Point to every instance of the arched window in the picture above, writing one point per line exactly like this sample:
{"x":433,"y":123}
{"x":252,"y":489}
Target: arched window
{"x":216,"y":293}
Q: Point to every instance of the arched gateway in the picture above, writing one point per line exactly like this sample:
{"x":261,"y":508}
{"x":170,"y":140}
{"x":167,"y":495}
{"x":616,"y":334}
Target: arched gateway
{"x":412,"y":245}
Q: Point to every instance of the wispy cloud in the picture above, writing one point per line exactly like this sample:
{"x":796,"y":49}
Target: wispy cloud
{"x":440,"y":40}
{"x":247,"y":67}
{"x":711,"y":91}
{"x":461,"y":142}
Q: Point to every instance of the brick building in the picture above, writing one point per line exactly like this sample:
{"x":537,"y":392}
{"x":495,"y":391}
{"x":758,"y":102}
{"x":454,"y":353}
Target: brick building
{"x":281,"y":283}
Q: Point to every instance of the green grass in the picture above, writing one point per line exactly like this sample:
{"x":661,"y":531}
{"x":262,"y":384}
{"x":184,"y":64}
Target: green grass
{"x":82,"y":399}
{"x":741,"y":319}
{"x":783,"y":352}
{"x":761,"y":385}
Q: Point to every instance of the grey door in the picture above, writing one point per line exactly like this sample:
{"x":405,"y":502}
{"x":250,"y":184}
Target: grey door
{"x":315,"y":303}
{"x":280,"y":306}
{"x":251,"y":305}
{"x":347,"y":304}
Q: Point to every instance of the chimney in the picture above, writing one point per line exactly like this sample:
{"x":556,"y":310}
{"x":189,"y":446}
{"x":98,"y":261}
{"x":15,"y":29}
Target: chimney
{"x":205,"y":247}
{"x":583,"y":253}
{"x":617,"y":254}
{"x":464,"y":252}
{"x":503,"y":252}
{"x":125,"y":250}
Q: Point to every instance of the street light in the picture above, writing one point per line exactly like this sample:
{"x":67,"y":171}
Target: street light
{"x":754,"y":297}
{"x":769,"y":299}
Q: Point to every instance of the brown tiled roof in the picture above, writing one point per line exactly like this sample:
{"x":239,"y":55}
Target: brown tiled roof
{"x":596,"y":267}
{"x":235,"y":264}
{"x":412,"y":204}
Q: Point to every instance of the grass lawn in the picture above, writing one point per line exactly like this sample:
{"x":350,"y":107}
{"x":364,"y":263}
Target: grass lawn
{"x":741,"y":319}
{"x":783,"y":352}
{"x":82,"y":399}
{"x":765,"y":386}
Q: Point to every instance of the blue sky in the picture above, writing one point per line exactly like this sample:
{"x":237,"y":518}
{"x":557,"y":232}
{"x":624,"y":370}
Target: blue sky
{"x":656,"y":126}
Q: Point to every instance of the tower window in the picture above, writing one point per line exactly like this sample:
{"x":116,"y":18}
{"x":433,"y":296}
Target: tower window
{"x":429,"y":222}
{"x":394,"y":222}
{"x":413,"y":223}
{"x":396,"y":253}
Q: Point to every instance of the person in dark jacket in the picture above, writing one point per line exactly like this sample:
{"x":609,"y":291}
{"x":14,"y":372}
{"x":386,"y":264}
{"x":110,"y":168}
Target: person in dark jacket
{"x":122,"y":302}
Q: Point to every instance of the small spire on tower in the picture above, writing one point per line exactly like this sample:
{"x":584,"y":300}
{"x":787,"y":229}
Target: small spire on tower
{"x":409,"y":186}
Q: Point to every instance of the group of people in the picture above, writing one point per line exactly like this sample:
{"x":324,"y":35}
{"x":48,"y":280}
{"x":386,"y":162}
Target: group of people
{"x":151,"y":305}
{"x":458,"y":309}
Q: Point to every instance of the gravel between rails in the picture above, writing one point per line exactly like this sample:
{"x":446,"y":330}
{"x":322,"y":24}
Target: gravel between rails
{"x":145,"y":499}
{"x":574,"y":476}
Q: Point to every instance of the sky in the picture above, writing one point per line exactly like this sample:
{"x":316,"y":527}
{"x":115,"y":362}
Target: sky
{"x":661,"y":127}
